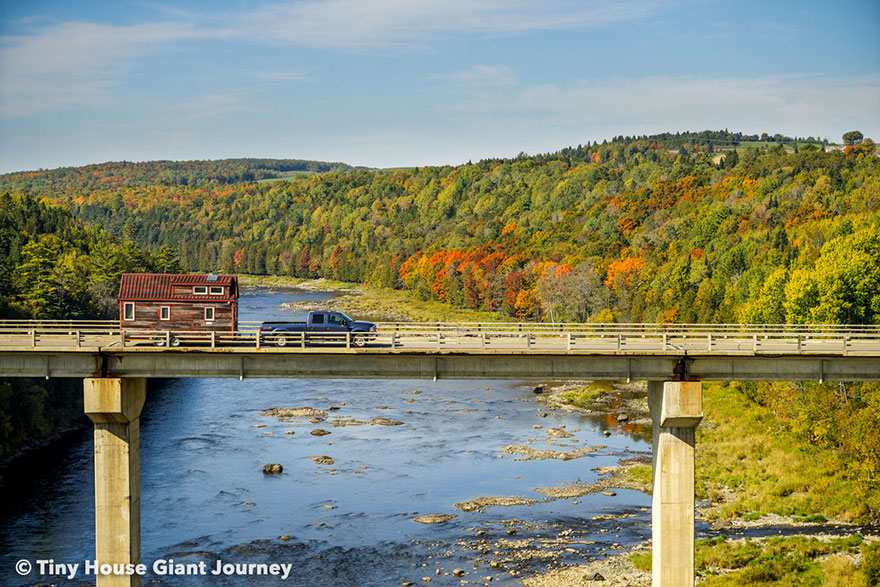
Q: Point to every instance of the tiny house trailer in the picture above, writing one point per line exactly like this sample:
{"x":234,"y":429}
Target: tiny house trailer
{"x":170,"y":302}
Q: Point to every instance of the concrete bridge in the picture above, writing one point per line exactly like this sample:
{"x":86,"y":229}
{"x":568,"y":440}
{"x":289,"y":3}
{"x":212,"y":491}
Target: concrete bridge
{"x":674,"y":359}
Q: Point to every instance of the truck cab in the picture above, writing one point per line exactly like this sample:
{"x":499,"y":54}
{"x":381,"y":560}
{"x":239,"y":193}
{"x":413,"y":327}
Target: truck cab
{"x":322,"y":325}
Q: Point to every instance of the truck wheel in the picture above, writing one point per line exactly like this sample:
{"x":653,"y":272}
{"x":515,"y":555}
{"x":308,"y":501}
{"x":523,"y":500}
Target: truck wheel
{"x":175,"y":342}
{"x":281,"y":340}
{"x":159,"y":342}
{"x":359,"y":340}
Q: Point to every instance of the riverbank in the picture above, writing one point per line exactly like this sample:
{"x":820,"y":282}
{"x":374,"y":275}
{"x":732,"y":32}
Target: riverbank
{"x":36,"y":414}
{"x":741,"y":479}
{"x":742,"y":485}
{"x":33,"y":446}
{"x":823,"y":559}
{"x":370,"y":302}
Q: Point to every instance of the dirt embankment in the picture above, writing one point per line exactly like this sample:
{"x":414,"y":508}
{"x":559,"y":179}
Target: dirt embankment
{"x":621,"y":402}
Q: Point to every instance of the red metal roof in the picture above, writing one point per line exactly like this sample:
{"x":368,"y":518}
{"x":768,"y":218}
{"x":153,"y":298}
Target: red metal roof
{"x":159,"y":286}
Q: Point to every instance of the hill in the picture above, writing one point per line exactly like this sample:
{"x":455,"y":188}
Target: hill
{"x":125,"y":174}
{"x":627,"y":230}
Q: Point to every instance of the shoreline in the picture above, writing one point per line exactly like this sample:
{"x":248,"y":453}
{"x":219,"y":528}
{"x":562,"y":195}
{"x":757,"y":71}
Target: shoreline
{"x":631,"y":402}
{"x":30,"y":447}
{"x":626,"y":404}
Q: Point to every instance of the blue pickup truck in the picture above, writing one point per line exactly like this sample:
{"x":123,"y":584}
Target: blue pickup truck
{"x":321,"y":326}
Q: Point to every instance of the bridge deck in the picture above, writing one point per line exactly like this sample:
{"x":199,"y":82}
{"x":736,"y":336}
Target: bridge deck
{"x":702,"y":352}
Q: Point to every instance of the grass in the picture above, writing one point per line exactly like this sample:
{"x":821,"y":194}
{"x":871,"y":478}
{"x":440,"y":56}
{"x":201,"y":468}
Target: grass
{"x":640,"y":474}
{"x":286,"y":176}
{"x":375,"y":300}
{"x":766,"y":145}
{"x":583,"y":397}
{"x":794,"y":560}
{"x":747,"y":466}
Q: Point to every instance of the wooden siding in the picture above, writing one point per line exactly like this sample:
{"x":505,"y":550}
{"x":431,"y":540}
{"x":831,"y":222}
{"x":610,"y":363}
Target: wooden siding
{"x":183,"y":316}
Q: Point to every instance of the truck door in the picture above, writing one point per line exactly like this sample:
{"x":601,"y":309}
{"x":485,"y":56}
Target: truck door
{"x":318,"y":322}
{"x":336,"y":323}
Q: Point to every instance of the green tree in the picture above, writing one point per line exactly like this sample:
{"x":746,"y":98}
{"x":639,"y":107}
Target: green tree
{"x":37,"y":280}
{"x":844,"y":285}
{"x":768,"y":307}
{"x":731,"y":159}
{"x":852,"y":137}
{"x":166,"y":260}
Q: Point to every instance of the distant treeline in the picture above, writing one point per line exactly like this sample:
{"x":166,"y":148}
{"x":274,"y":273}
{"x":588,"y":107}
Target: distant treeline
{"x":197,"y":174}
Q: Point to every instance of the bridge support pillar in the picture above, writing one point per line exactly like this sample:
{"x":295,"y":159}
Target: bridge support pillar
{"x":114,"y":406}
{"x":676,"y":410}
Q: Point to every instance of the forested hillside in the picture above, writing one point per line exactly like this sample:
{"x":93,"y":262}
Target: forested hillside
{"x":51,"y":266}
{"x":83,"y":180}
{"x":671,"y":228}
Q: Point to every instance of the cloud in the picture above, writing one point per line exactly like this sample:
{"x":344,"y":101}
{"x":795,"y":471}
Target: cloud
{"x":388,"y":24}
{"x":282,"y":76}
{"x":75,"y":63}
{"x":209,"y":105}
{"x":611,"y":106}
{"x":480,"y":75}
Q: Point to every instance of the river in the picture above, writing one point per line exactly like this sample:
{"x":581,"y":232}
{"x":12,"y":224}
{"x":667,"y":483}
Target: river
{"x":204,"y":496}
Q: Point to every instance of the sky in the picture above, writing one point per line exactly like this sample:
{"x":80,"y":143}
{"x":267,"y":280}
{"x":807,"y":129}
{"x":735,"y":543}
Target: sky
{"x":390,"y":83}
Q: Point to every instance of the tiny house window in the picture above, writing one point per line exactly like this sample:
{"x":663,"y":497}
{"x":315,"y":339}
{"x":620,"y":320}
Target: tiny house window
{"x":128,"y":311}
{"x":209,"y":314}
{"x":216,"y":290}
{"x":164,"y":312}
{"x":200,"y":290}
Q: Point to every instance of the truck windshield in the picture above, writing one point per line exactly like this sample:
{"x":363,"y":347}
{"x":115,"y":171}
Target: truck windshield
{"x":346,"y":318}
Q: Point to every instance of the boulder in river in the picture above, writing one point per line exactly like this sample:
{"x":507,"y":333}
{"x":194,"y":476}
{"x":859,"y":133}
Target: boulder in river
{"x":371,"y":422}
{"x":319,"y":432}
{"x":294,"y":413}
{"x":433,"y":518}
{"x":272,"y":468}
{"x":323,"y":460}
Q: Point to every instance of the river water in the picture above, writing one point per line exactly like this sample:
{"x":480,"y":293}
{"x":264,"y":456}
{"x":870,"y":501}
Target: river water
{"x":204,"y":496}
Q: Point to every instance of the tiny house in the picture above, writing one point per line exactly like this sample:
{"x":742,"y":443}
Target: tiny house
{"x":162,"y":301}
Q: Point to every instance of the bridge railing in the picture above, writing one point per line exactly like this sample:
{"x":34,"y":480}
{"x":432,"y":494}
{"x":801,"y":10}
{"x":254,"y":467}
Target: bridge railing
{"x":587,"y":338}
{"x":631,"y":329}
{"x":58,"y":324}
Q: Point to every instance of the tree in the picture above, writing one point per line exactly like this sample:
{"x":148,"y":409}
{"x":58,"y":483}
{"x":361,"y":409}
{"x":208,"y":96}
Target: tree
{"x":844,"y":285}
{"x":768,"y":307}
{"x":37,"y":279}
{"x":731,"y":159}
{"x":852,"y":137}
{"x":166,"y":260}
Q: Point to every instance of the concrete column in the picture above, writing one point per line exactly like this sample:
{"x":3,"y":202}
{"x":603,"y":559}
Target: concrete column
{"x":114,"y":406}
{"x":676,"y":410}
